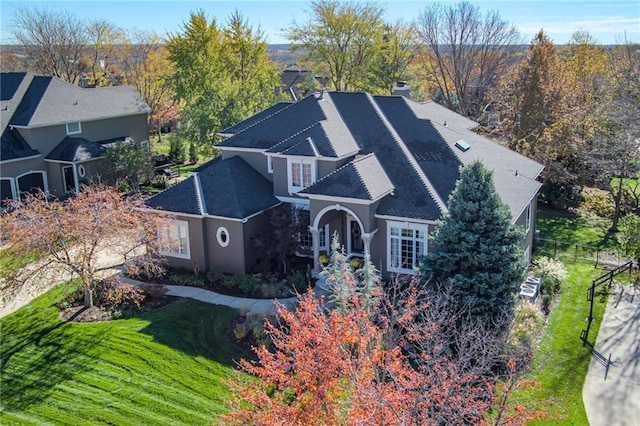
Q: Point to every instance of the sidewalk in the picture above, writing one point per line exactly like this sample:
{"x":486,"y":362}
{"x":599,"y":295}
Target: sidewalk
{"x":254,"y":306}
{"x":611,"y":394}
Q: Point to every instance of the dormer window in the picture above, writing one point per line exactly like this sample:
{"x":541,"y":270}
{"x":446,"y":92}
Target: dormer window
{"x":73,"y":128}
{"x":301,"y":173}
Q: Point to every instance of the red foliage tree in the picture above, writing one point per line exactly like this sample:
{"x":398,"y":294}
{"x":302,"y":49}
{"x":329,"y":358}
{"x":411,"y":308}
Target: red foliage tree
{"x":84,"y":235}
{"x":409,"y":361}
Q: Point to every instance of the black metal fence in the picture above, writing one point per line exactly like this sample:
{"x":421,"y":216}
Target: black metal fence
{"x":574,"y":252}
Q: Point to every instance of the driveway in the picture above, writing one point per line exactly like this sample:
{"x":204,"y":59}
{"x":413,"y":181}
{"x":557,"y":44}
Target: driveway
{"x":612,"y":395}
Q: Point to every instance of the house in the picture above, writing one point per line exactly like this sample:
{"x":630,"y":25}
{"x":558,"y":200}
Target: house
{"x":54,"y":134}
{"x":376,"y":169}
{"x":298,"y":82}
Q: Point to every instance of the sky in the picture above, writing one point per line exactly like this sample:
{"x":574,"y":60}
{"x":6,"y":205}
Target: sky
{"x":609,"y":21}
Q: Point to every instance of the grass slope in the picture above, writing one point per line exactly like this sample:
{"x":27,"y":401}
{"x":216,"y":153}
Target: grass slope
{"x":169,"y":366}
{"x":561,"y":362}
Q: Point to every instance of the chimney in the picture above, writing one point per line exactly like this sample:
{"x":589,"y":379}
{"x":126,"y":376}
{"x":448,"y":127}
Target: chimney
{"x":401,"y":89}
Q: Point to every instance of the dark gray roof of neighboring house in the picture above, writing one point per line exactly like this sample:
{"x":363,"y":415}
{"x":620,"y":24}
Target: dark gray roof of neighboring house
{"x":10,"y":81}
{"x":245,"y":124}
{"x":229,"y":188}
{"x":80,"y":149}
{"x":363,"y":178}
{"x":50,"y":101}
{"x":13,"y":146}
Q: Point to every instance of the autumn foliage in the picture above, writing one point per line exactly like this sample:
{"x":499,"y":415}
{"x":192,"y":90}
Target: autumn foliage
{"x":83,"y":235}
{"x":411,"y":360}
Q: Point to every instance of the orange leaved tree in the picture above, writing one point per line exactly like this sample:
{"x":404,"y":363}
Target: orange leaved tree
{"x":83,"y":235}
{"x":411,"y":360}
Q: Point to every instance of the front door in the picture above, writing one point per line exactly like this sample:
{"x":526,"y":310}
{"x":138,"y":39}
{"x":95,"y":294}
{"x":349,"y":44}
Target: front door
{"x":68,"y":181}
{"x":356,"y":245}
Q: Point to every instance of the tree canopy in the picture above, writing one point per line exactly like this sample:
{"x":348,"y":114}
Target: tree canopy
{"x":79,"y":235}
{"x":475,"y":251}
{"x":222,"y":74}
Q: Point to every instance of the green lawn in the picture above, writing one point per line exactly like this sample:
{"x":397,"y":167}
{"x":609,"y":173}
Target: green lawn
{"x":561,"y":362}
{"x":170,"y":366}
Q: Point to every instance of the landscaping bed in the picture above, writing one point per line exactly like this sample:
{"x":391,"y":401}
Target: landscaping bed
{"x":257,"y":285}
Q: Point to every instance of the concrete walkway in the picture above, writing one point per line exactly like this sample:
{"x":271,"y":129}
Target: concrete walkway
{"x":254,"y":306}
{"x":611,"y":392}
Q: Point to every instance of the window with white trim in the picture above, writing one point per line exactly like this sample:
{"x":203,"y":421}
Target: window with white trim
{"x":222,"y":235}
{"x":301,"y":173}
{"x":406,"y":243}
{"x":175,"y":239}
{"x":527,"y":223}
{"x":74,"y":128}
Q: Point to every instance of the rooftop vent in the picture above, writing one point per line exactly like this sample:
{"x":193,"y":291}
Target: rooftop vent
{"x":462,"y":145}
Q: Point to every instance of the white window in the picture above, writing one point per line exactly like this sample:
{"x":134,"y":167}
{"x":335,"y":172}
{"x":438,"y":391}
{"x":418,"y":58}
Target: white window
{"x":406,"y":243}
{"x":175,"y":239}
{"x":527,"y":224}
{"x":222,"y":235}
{"x":73,"y":128}
{"x":301,"y":174}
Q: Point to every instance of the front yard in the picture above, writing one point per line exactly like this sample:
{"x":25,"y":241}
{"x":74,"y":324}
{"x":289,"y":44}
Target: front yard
{"x":169,"y":366}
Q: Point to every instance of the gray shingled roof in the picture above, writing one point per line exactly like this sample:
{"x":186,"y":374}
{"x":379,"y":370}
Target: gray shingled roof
{"x":515,"y":189}
{"x":179,"y":198}
{"x":254,"y":119}
{"x":13,"y":145}
{"x":50,"y":101}
{"x":229,"y":188}
{"x":76,"y":149}
{"x":363,"y":179}
{"x":410,"y":162}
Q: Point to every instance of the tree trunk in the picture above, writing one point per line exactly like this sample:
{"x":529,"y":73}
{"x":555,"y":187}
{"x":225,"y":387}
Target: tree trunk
{"x":616,"y":201}
{"x":88,"y":298}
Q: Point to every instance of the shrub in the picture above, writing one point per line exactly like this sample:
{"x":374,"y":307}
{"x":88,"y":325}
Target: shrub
{"x":598,"y":203}
{"x":274,"y":289}
{"x":154,"y":292}
{"x":188,"y":279}
{"x":240,"y":331}
{"x":247,"y":284}
{"x":525,"y":328}
{"x":298,"y":280}
{"x":110,"y":295}
{"x":216,"y":276}
{"x":552,"y":272}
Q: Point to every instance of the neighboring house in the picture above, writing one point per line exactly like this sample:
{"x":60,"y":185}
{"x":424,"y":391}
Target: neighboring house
{"x":54,"y":134}
{"x":377,"y":170}
{"x":298,"y":82}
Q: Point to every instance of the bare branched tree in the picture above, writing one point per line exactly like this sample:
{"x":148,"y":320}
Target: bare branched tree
{"x":54,"y":41}
{"x":464,"y":52}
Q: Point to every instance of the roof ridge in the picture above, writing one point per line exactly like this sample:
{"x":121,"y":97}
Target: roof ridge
{"x":290,"y":104}
{"x":199,"y":193}
{"x":407,"y":153}
{"x":358,"y":160}
{"x":296,"y":134}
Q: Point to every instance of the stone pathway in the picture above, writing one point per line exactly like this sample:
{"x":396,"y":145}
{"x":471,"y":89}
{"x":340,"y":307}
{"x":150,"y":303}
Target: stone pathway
{"x":611,"y":392}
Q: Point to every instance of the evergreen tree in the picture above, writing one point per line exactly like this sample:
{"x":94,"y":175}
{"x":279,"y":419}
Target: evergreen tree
{"x":474,"y":252}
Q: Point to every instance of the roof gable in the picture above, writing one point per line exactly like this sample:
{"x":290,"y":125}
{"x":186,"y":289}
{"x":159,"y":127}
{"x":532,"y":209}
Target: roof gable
{"x":13,"y":146}
{"x":363,"y":178}
{"x":228,"y":188}
{"x":51,"y":101}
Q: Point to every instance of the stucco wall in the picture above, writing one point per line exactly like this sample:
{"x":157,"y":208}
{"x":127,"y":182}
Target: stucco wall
{"x":230,"y":258}
{"x":196,"y":245}
{"x":257,"y":160}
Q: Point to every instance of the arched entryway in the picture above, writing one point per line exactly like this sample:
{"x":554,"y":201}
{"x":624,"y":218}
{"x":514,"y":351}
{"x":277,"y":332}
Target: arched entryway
{"x":353,"y":233}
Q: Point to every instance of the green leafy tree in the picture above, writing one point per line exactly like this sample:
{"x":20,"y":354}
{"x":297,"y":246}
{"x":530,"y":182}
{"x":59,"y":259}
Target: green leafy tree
{"x":222,"y":75}
{"x":176,"y":149}
{"x":474,"y":253}
{"x":341,"y":39}
{"x":630,"y":238}
{"x":131,"y":163}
